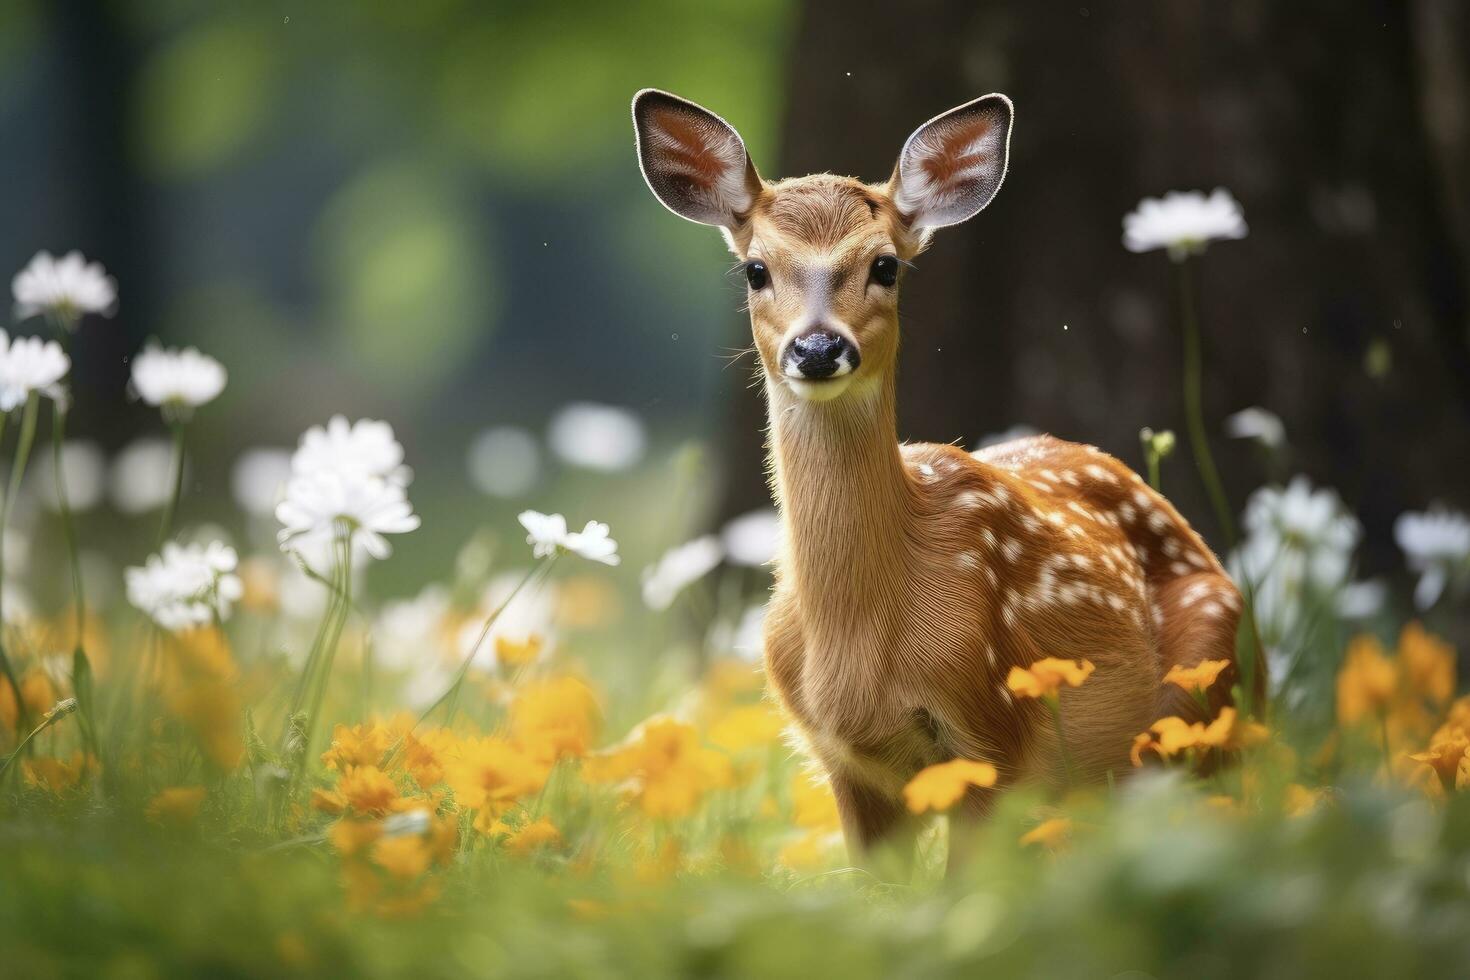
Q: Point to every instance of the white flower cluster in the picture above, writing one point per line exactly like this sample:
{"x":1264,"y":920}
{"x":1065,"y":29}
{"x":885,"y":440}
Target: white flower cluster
{"x":186,"y":586}
{"x":679,"y":568}
{"x":547,"y":535}
{"x":1436,"y":544}
{"x":66,"y":288}
{"x":177,"y":380}
{"x":1183,"y":222}
{"x":1296,"y":560}
{"x":346,"y":478}
{"x":29,"y":364}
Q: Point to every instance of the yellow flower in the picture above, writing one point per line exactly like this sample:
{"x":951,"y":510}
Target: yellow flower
{"x":1366,"y":683}
{"x":812,"y":804}
{"x":351,"y":836}
{"x":1299,"y":799}
{"x":810,"y":850}
{"x":1229,"y":732}
{"x":1052,"y":834}
{"x":536,"y":834}
{"x":1046,"y":676}
{"x":1446,"y":754}
{"x":493,"y":773}
{"x":367,"y":790}
{"x":1169,"y":736}
{"x":37,"y":692}
{"x":664,"y":768}
{"x":57,"y":776}
{"x":1428,"y":664}
{"x":360,"y":745}
{"x":1200,"y":677}
{"x":404,"y":857}
{"x":177,"y":805}
{"x":517,"y":653}
{"x":939,"y":787}
{"x":554,"y":718}
{"x":748,"y":726}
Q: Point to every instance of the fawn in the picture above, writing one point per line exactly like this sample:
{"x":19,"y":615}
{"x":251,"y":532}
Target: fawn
{"x":912,"y":577}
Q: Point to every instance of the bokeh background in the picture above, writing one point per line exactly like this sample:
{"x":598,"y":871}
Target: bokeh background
{"x":431,"y":213}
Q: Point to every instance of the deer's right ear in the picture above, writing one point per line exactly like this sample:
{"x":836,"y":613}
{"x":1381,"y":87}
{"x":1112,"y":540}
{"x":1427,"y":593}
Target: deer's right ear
{"x":694,"y":161}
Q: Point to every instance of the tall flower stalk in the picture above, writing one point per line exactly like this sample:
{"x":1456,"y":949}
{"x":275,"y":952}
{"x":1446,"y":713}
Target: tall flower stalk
{"x":1194,"y":412}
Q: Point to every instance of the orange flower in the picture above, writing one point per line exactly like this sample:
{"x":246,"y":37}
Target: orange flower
{"x":1446,"y":754}
{"x":1170,"y":736}
{"x":517,"y":653}
{"x":351,"y":836}
{"x":177,"y":805}
{"x":1045,"y":677}
{"x":58,"y":776}
{"x":812,"y":804}
{"x":1428,"y":664}
{"x":534,"y":835}
{"x":1366,"y":683}
{"x":939,"y":787}
{"x":493,"y":773}
{"x":554,"y":718}
{"x":368,"y":790}
{"x":748,"y":726}
{"x":1052,"y":834}
{"x":1229,"y":732}
{"x":1197,"y":678}
{"x":664,"y":767}
{"x":405,"y":857}
{"x":360,"y":745}
{"x":1300,"y":800}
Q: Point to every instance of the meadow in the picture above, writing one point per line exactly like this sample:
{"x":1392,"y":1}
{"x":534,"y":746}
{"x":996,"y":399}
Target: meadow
{"x":231,"y":758}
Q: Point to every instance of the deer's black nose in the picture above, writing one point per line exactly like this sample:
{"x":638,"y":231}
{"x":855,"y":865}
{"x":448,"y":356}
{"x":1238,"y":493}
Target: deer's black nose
{"x":819,"y":354}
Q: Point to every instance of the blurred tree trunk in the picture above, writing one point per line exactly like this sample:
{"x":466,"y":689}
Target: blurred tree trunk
{"x":1344,"y":311}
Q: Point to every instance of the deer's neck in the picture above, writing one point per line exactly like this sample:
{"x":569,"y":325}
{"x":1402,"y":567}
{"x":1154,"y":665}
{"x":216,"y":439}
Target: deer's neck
{"x":846,"y":499}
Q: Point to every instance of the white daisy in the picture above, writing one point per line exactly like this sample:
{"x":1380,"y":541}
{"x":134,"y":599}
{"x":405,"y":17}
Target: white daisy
{"x":1259,"y":424}
{"x":186,"y":585}
{"x":679,"y":568}
{"x":753,"y":538}
{"x":1297,"y":555}
{"x":259,"y":479}
{"x":177,"y":379}
{"x":140,"y":479}
{"x":67,"y":288}
{"x":1183,"y":222}
{"x":504,"y":461}
{"x":317,"y":506}
{"x":83,"y":467}
{"x":1436,"y":544}
{"x":29,"y":364}
{"x":547,"y":534}
{"x":365,"y":447}
{"x":410,"y":632}
{"x":597,"y":437}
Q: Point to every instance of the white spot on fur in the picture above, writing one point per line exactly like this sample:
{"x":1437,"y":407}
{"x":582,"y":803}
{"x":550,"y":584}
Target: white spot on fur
{"x":969,"y":499}
{"x":1099,"y":473}
{"x":967,"y":559}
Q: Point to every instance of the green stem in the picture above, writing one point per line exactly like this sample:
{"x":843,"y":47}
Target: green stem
{"x":1054,"y":702}
{"x":17,"y":470}
{"x":178,"y":486}
{"x":52,"y":717}
{"x":337,"y":617}
{"x":1194,"y":408}
{"x":452,"y":695}
{"x":68,"y":525}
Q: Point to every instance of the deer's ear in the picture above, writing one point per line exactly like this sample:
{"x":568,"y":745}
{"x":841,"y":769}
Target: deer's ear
{"x":951,"y":166}
{"x":694,"y":161}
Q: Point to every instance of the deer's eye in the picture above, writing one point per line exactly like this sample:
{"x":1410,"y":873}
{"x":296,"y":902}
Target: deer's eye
{"x":885,"y":270}
{"x":756,"y":275}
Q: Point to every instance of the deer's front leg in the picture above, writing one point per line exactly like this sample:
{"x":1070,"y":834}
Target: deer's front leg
{"x":880,"y":833}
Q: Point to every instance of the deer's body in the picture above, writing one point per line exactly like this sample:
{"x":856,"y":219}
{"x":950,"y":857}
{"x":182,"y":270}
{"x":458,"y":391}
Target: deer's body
{"x":914,"y":577}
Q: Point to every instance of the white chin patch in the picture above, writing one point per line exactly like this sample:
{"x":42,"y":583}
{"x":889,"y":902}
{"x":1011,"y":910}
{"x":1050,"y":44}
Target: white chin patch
{"x":820,"y":391}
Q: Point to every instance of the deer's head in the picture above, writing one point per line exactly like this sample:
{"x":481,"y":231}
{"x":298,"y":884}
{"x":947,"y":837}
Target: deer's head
{"x":823,"y":255}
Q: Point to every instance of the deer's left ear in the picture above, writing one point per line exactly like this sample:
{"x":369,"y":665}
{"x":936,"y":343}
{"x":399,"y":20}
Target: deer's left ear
{"x":951,"y":166}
